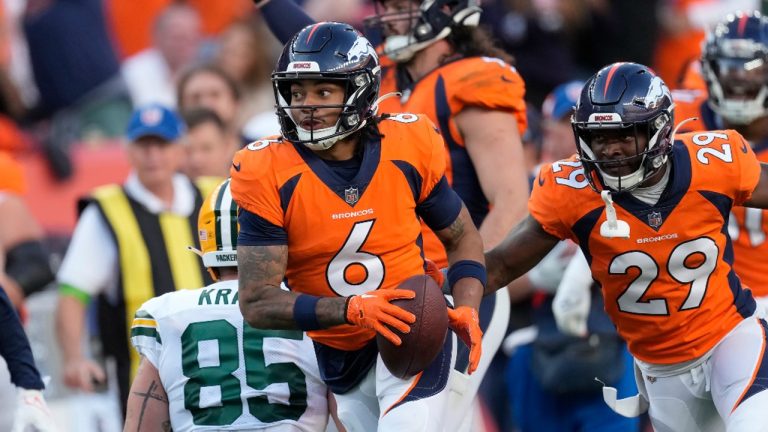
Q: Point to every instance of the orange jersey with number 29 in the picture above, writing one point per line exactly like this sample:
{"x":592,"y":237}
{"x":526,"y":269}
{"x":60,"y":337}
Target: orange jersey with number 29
{"x":670,"y":287}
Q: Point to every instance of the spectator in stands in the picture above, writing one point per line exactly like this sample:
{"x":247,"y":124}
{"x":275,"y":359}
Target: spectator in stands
{"x":77,"y":74}
{"x":152,"y":73}
{"x":208,"y":146}
{"x":209,"y":86}
{"x":132,"y":25}
{"x":129,"y":246}
{"x":246,"y":52}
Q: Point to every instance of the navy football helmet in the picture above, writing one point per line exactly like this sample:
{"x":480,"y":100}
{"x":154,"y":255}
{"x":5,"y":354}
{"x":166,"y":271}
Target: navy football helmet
{"x":333,"y":52}
{"x":432,"y":21}
{"x":627,"y":98}
{"x":735,"y":66}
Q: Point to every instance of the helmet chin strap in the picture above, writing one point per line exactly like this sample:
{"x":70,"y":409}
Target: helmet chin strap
{"x":325,"y":144}
{"x":318,"y":136}
{"x":625,"y":181}
{"x":383,"y":98}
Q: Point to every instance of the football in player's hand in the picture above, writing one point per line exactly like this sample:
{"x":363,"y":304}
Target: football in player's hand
{"x":425,"y":341}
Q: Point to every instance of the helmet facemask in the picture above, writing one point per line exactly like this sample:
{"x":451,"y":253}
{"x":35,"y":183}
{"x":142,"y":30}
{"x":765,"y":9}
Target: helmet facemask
{"x":419,"y":26}
{"x":647,"y":161}
{"x":361,"y":90}
{"x":735,"y":66}
{"x":738,"y":90}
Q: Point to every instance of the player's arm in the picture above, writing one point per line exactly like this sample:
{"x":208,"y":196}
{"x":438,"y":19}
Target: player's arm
{"x":147,"y":401}
{"x":494,"y":145}
{"x":283,"y":17}
{"x":759,"y":198}
{"x":14,"y":348}
{"x":263,"y":303}
{"x":444,"y":212}
{"x":525,"y":246}
{"x":462,"y":242}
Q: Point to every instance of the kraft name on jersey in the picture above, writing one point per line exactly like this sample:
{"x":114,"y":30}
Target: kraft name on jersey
{"x":221,"y":296}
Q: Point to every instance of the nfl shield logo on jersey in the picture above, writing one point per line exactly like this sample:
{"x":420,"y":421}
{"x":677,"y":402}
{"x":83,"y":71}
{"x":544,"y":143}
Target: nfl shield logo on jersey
{"x":351,"y":196}
{"x":654,"y":219}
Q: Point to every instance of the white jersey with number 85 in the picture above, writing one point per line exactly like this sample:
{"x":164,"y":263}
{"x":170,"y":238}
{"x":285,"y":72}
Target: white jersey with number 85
{"x":220,"y":373}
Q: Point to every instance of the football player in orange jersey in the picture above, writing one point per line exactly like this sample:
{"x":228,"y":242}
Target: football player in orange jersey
{"x":445,"y":67}
{"x":735,"y":66}
{"x":650,"y":212}
{"x":333,"y":208}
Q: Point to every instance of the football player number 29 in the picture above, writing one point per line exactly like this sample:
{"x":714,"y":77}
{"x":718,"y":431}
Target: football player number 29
{"x":216,"y":386}
{"x":690,"y":263}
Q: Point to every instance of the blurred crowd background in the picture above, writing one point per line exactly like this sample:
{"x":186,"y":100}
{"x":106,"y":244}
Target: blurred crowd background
{"x":72,"y":71}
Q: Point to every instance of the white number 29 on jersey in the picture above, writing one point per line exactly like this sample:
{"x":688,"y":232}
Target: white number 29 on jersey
{"x":631,"y":300}
{"x":705,"y":154}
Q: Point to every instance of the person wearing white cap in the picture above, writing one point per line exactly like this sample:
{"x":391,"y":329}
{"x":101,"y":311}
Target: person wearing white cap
{"x":125,"y":248}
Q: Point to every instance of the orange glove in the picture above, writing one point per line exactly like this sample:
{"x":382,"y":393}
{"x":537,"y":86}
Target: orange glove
{"x":466,"y":324}
{"x":434,"y":272}
{"x":373,"y":309}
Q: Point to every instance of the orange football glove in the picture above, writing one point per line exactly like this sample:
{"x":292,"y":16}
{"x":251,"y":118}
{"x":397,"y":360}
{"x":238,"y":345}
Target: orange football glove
{"x":373,"y":309}
{"x":434,"y":272}
{"x":466,"y":324}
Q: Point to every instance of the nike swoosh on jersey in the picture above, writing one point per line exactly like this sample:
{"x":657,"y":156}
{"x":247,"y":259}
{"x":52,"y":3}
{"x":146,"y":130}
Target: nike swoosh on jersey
{"x":541,"y":179}
{"x":744,"y":147}
{"x":237,"y":167}
{"x":505,"y":79}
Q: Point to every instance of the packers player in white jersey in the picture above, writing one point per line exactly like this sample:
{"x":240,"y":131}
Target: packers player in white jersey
{"x":202,"y":368}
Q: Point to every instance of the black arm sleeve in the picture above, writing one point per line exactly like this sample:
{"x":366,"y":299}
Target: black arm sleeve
{"x":14,"y":348}
{"x":27,"y":264}
{"x":441,"y":208}
{"x":257,"y":231}
{"x":285,"y":18}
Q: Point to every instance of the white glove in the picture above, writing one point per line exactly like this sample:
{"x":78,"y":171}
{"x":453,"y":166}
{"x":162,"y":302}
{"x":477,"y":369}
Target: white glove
{"x":574,"y":297}
{"x":32,"y":413}
{"x":547,"y":274}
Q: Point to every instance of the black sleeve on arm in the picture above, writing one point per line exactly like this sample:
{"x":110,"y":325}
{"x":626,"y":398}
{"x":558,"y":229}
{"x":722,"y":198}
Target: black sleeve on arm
{"x":441,"y":207}
{"x":285,"y":18}
{"x":27,"y":264}
{"x":14,"y":348}
{"x":257,"y":231}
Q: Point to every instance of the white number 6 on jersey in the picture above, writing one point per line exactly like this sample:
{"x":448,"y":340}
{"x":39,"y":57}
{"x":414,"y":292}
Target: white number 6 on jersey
{"x":350,"y":254}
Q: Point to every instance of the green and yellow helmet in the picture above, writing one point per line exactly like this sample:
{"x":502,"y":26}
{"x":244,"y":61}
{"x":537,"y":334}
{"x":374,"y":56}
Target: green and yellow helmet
{"x":217,"y":228}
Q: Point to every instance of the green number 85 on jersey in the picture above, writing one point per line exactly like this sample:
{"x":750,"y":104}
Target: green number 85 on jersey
{"x":220,"y":379}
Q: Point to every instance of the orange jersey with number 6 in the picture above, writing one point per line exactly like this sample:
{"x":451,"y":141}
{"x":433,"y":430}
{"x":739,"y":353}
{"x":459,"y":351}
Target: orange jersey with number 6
{"x":346,"y":237}
{"x":670,"y":287}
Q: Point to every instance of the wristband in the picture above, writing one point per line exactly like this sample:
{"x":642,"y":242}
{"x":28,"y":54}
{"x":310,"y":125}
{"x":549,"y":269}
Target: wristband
{"x":466,"y":269}
{"x":304,"y":312}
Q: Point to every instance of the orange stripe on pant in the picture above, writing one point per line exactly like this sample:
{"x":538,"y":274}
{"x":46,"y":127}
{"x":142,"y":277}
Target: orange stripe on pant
{"x":754,"y":373}
{"x":407,"y":392}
